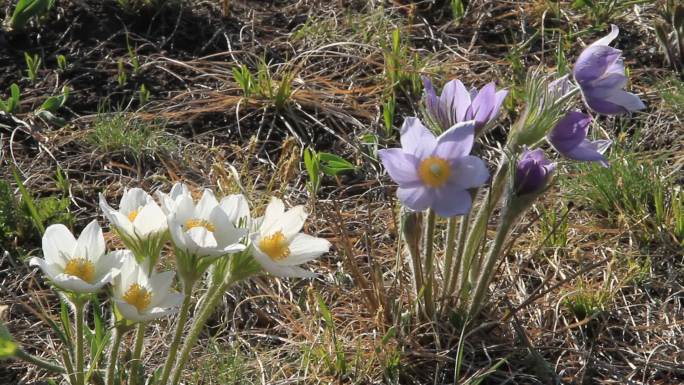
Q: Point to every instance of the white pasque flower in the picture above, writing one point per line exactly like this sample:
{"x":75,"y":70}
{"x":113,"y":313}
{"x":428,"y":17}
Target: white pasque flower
{"x":168,"y":201}
{"x":141,"y":297}
{"x":138,"y":215}
{"x":236,"y":207}
{"x":80,"y":266}
{"x":204,"y":229}
{"x":279,"y":246}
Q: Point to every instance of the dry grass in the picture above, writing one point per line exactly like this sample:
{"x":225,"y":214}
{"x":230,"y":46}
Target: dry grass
{"x":273,"y":331}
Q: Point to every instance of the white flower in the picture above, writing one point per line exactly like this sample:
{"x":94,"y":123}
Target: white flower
{"x":168,"y":201}
{"x":205,"y":229}
{"x":237,"y":209}
{"x":140,"y":297}
{"x":76,"y":265}
{"x":279,"y":246}
{"x":138,"y":216}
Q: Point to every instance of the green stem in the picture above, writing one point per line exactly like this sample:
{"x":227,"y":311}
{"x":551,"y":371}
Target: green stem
{"x":429,"y":262}
{"x":113,"y":355}
{"x":457,"y":272}
{"x":39,"y":362}
{"x":485,"y":275}
{"x":414,"y":253}
{"x":182,"y":320}
{"x":449,"y":259}
{"x":136,"y":364}
{"x":79,"y":304}
{"x":197,"y":327}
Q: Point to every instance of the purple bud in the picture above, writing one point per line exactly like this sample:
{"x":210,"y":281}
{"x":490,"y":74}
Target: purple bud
{"x":456,"y":104}
{"x":533,"y":172}
{"x":569,"y":138}
{"x":600,"y":73}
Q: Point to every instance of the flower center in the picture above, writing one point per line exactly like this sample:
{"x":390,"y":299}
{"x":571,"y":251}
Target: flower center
{"x":138,"y":297}
{"x":133,"y":214}
{"x":195,"y":222}
{"x":434,"y":171}
{"x":81,"y":268}
{"x":275,"y":246}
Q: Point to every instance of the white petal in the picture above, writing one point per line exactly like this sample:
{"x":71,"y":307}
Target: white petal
{"x":225,"y":232}
{"x":58,"y":244}
{"x":304,"y":248}
{"x":274,"y":210}
{"x":150,"y":220}
{"x":236,"y":207}
{"x":291,"y":222}
{"x":171,"y":300}
{"x":202,"y":237}
{"x":129,"y":312}
{"x":160,"y":285}
{"x":205,"y":205}
{"x":75,"y":284}
{"x":279,"y":270}
{"x":111,"y":263}
{"x":133,"y":199}
{"x":90,"y":243}
{"x":606,"y":40}
{"x":50,"y":270}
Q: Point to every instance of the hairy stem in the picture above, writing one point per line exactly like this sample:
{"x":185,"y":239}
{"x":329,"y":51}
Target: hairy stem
{"x":113,"y":355}
{"x":79,"y":305}
{"x":39,"y":362}
{"x":182,"y":320}
{"x":457,"y":272}
{"x":449,"y":259}
{"x":136,"y":364}
{"x":429,"y":264}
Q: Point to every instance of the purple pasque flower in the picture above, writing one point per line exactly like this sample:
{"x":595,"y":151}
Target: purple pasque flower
{"x":600,"y":73}
{"x":456,"y":104}
{"x":533,"y":171}
{"x":569,"y":137}
{"x":436,"y":172}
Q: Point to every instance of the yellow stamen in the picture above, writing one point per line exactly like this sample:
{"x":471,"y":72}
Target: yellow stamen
{"x":194,"y":222}
{"x":81,"y":268}
{"x":434,"y":171}
{"x":138,"y":296}
{"x":275,"y":246}
{"x":133,"y":214}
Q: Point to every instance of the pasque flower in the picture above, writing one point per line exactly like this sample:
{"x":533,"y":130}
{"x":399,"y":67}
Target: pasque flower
{"x":600,"y":73}
{"x":204,"y":229}
{"x":532,"y":172}
{"x":569,"y":137}
{"x":168,"y":201}
{"x":138,"y":216}
{"x":141,"y":297}
{"x":456,"y":104}
{"x":78,"y":266}
{"x":434,"y":172}
{"x":280,"y":247}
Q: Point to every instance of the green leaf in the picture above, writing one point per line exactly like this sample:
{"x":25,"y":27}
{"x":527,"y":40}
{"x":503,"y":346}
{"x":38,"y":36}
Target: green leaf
{"x":333,"y":165}
{"x":8,"y":348}
{"x":325,"y":312}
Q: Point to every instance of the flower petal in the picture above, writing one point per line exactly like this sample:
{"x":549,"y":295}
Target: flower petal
{"x":133,"y":199}
{"x":456,"y":142}
{"x":594,"y":61}
{"x":274,"y":210}
{"x":614,"y":31}
{"x":202,"y":237}
{"x":570,"y":131}
{"x":590,"y":151}
{"x":400,"y":166}
{"x":451,"y":201}
{"x":206,"y":205}
{"x":457,"y":100}
{"x":468,"y":172}
{"x":303,"y":248}
{"x":237,"y":208}
{"x":50,"y":270}
{"x":160,"y":284}
{"x":417,"y":198}
{"x":58,"y":245}
{"x":90,"y":243}
{"x":150,"y":220}
{"x":416,"y":139}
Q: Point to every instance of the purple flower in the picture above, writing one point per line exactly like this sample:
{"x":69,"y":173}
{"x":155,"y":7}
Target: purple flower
{"x":559,"y":87}
{"x":456,"y":104}
{"x":569,"y":137}
{"x":435,"y":172}
{"x":600,"y":73}
{"x":532,"y":172}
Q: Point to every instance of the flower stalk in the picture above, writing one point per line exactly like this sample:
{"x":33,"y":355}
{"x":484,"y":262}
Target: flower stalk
{"x":428,"y":297}
{"x":113,"y":355}
{"x":178,"y":334}
{"x":79,"y":313}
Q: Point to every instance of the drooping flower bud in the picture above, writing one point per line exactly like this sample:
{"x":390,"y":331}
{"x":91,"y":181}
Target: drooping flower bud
{"x":569,"y":138}
{"x":533,"y":172}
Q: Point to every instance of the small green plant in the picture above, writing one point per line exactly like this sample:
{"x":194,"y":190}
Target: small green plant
{"x":586,"y":303}
{"x":604,"y":11}
{"x":245,"y":79}
{"x":323,"y":163}
{"x":121,"y":76}
{"x":27,"y":10}
{"x":554,"y":227}
{"x":120,"y":133}
{"x":11,"y":104}
{"x":401,"y":70}
{"x":33,"y":63}
{"x":50,"y":106}
{"x":670,"y":34}
{"x":457,"y":10}
{"x":133,"y":57}
{"x":62,"y":62}
{"x":143,"y":95}
{"x":389,"y":114}
{"x":672,"y":92}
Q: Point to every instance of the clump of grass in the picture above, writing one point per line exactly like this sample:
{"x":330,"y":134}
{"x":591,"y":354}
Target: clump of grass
{"x":121,"y":133}
{"x":641,"y":194}
{"x":673,"y":94}
{"x":587,"y":302}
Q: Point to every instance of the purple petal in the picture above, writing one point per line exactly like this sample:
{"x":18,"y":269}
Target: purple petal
{"x":619,"y":102}
{"x":432,"y":102}
{"x":457,"y":141}
{"x":614,"y":31}
{"x":570,"y":131}
{"x":400,"y":166}
{"x":498,"y":101}
{"x":417,"y":198}
{"x":416,"y":139}
{"x":589,"y":151}
{"x":594,"y":61}
{"x":451,"y":201}
{"x":456,"y":99}
{"x":468,"y":172}
{"x":484,"y":102}
{"x":607,"y":84}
